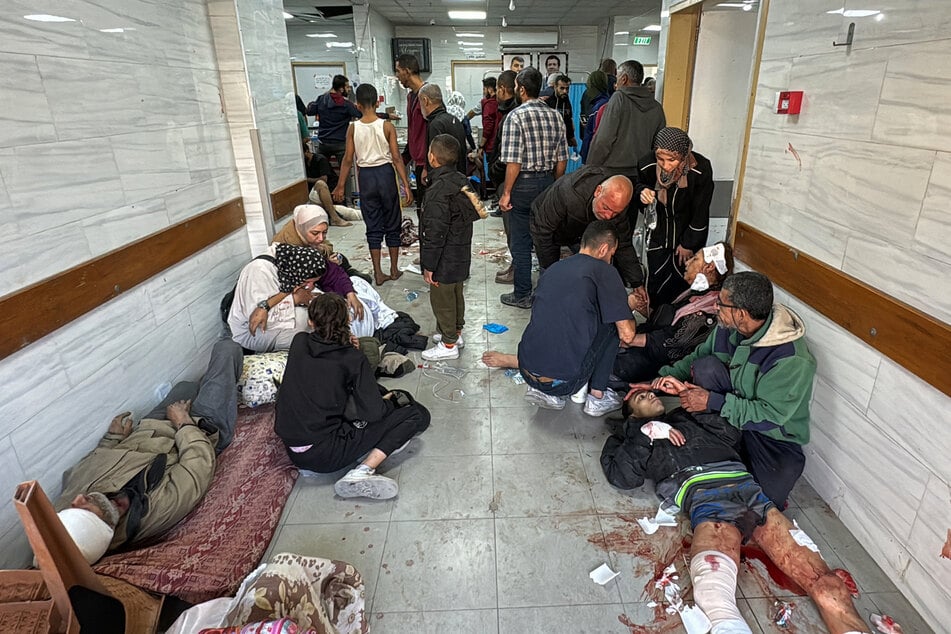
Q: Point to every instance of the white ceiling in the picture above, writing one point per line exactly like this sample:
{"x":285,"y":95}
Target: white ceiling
{"x":564,"y":13}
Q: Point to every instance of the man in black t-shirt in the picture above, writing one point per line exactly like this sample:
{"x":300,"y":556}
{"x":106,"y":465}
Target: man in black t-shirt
{"x":579,"y":315}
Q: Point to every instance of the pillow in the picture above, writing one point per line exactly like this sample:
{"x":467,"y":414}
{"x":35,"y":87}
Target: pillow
{"x":261,"y":377}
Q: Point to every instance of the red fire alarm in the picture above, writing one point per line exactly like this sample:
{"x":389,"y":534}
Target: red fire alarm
{"x":789,"y":102}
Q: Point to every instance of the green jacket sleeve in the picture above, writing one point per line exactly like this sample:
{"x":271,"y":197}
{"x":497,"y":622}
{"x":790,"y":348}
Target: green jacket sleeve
{"x":782,"y":397}
{"x":681,"y":369}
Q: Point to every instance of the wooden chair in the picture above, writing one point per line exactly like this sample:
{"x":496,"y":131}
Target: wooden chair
{"x":65,"y":596}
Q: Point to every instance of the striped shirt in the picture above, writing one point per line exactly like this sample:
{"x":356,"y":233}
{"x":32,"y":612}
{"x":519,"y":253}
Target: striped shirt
{"x":533,"y":136}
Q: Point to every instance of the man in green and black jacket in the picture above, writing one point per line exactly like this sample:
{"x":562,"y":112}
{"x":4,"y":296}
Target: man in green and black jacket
{"x":756,"y":371}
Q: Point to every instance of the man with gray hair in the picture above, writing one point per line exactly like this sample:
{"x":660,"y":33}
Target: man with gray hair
{"x":439,"y":121}
{"x":755,"y":370}
{"x":627,"y":123}
{"x":563,"y":211}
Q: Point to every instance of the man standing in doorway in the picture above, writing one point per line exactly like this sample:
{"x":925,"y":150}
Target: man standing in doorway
{"x":535,"y":154}
{"x":407,"y":72}
{"x":627,"y":123}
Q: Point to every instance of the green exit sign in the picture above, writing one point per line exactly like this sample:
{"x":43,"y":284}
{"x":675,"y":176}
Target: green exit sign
{"x":642,"y":40}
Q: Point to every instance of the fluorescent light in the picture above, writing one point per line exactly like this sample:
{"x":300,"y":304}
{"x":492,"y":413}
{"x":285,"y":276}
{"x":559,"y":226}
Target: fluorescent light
{"x":652,"y":27}
{"x":855,"y":13}
{"x":45,"y":17}
{"x":747,"y":7}
{"x":320,"y":35}
{"x":879,"y":17}
{"x":288,"y":16}
{"x":460,"y":42}
{"x":466,"y":15}
{"x":470,"y":34}
{"x":112,"y":30}
{"x":339,"y":44}
{"x":622,"y":32}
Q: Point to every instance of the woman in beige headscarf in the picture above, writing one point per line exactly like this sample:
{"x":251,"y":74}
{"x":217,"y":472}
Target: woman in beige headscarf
{"x":309,"y":228}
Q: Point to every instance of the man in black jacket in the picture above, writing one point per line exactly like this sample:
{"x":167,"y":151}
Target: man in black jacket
{"x":563,"y":211}
{"x":692,"y":460}
{"x":439,"y":121}
{"x":505,"y":96}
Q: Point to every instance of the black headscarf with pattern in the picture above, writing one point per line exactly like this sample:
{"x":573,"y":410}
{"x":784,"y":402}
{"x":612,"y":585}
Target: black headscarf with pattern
{"x":296,"y":264}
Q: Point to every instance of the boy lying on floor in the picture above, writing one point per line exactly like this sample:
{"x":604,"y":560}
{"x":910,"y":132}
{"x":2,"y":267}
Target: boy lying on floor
{"x":693,"y":463}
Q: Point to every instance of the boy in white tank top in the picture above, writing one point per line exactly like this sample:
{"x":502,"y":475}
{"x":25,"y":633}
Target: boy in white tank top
{"x":371,"y":142}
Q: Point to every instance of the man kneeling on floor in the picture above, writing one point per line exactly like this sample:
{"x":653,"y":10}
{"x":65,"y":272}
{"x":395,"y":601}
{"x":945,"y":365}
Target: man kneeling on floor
{"x":694,"y":465}
{"x":138,"y":483}
{"x":579,"y":316}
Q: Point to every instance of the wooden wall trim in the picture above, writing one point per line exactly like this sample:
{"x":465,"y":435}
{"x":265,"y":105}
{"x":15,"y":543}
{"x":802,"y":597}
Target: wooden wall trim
{"x":33,"y":312}
{"x":916,"y":341}
{"x":285,"y":199}
{"x":679,"y":63}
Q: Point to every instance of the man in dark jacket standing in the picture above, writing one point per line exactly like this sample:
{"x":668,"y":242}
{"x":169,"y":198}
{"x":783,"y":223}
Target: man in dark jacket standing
{"x":334,"y":112}
{"x":506,"y":102}
{"x":439,"y":121}
{"x":560,"y":102}
{"x":563,"y":211}
{"x":445,"y":251}
{"x":628,"y":123}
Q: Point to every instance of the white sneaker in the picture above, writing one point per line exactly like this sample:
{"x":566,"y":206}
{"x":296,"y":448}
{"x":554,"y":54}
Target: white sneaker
{"x":459,"y":342}
{"x":546,"y":401}
{"x":440,"y":352}
{"x":610,"y":402}
{"x":360,"y":483}
{"x":580,"y":396}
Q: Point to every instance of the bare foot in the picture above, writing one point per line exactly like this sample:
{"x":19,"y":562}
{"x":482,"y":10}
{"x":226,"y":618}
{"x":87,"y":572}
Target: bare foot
{"x":495,"y":359}
{"x":177,"y":413}
{"x":395,"y":274}
{"x":121,"y":424}
{"x":380,"y":278}
{"x":340,"y":222}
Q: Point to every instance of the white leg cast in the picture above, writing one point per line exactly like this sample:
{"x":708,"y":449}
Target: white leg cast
{"x":714,"y":590}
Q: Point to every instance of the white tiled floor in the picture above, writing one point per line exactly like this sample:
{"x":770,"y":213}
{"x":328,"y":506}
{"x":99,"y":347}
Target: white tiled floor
{"x":503,"y":508}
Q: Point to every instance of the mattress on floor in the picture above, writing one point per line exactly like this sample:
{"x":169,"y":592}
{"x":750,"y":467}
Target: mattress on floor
{"x":210,"y":552}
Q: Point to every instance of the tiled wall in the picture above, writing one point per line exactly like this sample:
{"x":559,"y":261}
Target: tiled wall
{"x":105,"y":137}
{"x":257,"y":92}
{"x":861,"y":180}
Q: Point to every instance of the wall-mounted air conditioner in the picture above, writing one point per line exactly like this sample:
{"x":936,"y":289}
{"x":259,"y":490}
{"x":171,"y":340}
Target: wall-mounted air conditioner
{"x":521,"y":40}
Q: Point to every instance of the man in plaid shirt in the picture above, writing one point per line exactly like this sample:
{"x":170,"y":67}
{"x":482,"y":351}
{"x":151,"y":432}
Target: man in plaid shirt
{"x":535,"y":153}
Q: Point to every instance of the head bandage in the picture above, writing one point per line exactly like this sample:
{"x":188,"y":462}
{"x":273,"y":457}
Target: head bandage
{"x":717,"y":255}
{"x":91,"y":534}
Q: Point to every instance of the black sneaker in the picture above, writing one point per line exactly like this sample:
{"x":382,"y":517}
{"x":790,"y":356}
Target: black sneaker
{"x":509,"y":299}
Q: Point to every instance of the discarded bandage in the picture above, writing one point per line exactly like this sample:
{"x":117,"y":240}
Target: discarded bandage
{"x":802,"y":538}
{"x":662,"y":518}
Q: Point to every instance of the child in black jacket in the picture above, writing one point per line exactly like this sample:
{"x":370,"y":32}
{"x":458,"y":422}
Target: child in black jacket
{"x":445,"y":252}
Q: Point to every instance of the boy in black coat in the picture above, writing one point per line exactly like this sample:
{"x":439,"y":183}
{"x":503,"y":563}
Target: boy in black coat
{"x":445,"y":251}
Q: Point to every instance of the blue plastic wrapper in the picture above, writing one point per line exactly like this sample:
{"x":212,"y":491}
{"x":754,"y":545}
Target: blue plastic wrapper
{"x":495,"y":328}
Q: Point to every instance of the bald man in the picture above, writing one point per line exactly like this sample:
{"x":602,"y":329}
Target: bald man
{"x":561,"y":213}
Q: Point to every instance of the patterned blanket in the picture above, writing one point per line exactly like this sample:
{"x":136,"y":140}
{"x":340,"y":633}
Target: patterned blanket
{"x":210,"y":552}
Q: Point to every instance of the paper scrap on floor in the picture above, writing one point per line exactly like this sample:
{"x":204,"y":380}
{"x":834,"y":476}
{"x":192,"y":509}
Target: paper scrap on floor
{"x":663,"y":518}
{"x":602,"y":574}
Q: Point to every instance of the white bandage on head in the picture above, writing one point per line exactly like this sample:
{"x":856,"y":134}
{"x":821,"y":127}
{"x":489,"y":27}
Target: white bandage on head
{"x":717,"y":255}
{"x":90,"y":533}
{"x":714,"y":590}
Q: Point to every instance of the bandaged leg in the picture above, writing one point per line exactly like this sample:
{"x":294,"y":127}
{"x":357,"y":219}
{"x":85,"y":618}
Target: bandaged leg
{"x":714,"y":590}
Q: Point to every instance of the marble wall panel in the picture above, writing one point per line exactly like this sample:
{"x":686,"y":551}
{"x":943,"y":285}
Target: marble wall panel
{"x":874,"y":191}
{"x":25,"y":260}
{"x":888,"y":550}
{"x":773,"y":170}
{"x":857,"y":450}
{"x":902,"y":273}
{"x":201,"y":196}
{"x":59,"y":39}
{"x":118,"y":227}
{"x":47,"y":197}
{"x":927,"y":538}
{"x":933,"y":233}
{"x":804,"y":27}
{"x":812,"y":234}
{"x":151,"y":163}
{"x":840,"y":93}
{"x":900,"y":22}
{"x":208,"y":274}
{"x":11,"y":474}
{"x":96,"y":338}
{"x":149,"y":31}
{"x":920,"y":423}
{"x":25,"y":117}
{"x":823,"y":479}
{"x":925,"y":594}
{"x":31,"y":378}
{"x":773,"y":77}
{"x":16,"y":551}
{"x":5,"y":216}
{"x":841,"y":359}
{"x":208,"y":150}
{"x":208,"y":91}
{"x":913,"y":110}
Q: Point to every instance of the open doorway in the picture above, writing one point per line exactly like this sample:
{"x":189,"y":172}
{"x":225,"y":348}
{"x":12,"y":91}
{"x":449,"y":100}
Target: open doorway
{"x":711,"y":50}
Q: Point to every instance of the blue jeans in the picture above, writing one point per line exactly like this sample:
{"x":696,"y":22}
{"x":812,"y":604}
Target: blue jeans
{"x":595,"y":367}
{"x":527,"y":187}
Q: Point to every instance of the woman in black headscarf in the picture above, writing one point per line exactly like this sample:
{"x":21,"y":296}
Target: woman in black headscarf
{"x":680,"y":183}
{"x":597,"y":93}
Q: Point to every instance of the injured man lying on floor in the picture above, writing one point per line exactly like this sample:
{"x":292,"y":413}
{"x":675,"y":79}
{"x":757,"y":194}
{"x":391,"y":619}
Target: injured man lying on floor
{"x":693,"y":461}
